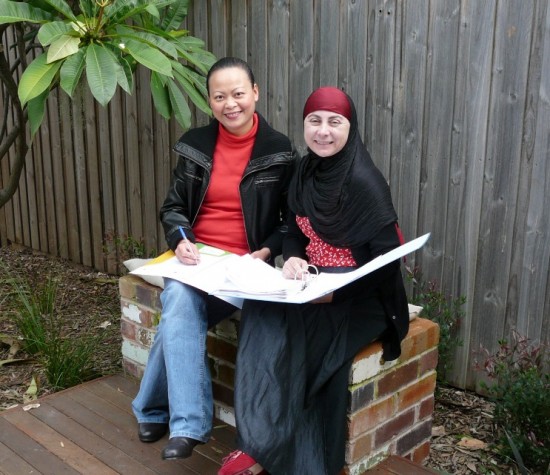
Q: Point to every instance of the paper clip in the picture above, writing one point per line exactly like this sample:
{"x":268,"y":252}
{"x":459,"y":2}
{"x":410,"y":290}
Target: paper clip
{"x":307,"y":276}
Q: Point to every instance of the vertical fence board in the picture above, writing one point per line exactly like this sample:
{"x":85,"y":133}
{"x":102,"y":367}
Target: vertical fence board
{"x":277,"y":87}
{"x":469,"y":144}
{"x":58,"y":188}
{"x":409,"y":105}
{"x":301,"y":60}
{"x":257,"y":56}
{"x":534,"y":281}
{"x":512,"y":34}
{"x":93,"y":167}
{"x":440,"y":92}
{"x":69,"y":177}
{"x":379,"y":83}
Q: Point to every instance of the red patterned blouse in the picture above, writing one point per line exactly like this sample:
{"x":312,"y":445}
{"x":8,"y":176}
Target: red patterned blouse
{"x":320,"y":253}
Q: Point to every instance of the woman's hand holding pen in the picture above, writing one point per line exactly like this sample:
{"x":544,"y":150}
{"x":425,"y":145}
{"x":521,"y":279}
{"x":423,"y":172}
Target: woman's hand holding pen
{"x":295,"y":268}
{"x":186,"y":251}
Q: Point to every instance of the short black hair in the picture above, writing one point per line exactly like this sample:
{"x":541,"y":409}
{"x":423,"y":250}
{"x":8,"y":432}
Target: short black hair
{"x":229,"y":62}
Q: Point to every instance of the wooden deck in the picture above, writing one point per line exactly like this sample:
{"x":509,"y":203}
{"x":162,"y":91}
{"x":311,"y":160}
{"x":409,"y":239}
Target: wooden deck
{"x":90,"y":429}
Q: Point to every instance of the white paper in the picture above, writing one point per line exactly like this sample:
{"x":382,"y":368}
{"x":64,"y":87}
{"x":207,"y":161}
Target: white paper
{"x":318,"y":286}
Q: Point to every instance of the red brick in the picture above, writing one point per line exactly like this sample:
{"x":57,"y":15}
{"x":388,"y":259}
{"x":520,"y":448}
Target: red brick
{"x":426,"y":408}
{"x":131,"y":367}
{"x":397,"y":378}
{"x":128,"y":329}
{"x":413,"y":437}
{"x":428,"y":361}
{"x":361,"y":397}
{"x":423,"y":335}
{"x":358,"y":448}
{"x":222,"y":393}
{"x":127,"y":286}
{"x":221,"y":349}
{"x":369,"y":350}
{"x":393,"y":427}
{"x":416,"y":392}
{"x":371,"y":416}
{"x":421,"y":453}
{"x":144,"y":337}
{"x":148,"y":295}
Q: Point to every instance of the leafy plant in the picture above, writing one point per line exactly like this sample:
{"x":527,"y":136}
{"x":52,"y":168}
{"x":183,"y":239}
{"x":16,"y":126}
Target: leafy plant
{"x":521,"y":391}
{"x":442,"y":309}
{"x":102,"y":42}
{"x":125,"y":247}
{"x":66,"y":361}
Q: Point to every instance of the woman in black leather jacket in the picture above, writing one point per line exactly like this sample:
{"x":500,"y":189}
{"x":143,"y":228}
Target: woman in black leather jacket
{"x":229,"y":190}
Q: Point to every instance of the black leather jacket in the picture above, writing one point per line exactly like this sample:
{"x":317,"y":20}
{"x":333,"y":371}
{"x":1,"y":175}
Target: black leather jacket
{"x":263,"y":188}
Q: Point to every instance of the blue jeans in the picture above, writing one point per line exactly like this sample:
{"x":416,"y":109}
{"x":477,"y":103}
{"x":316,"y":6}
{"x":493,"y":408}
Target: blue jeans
{"x":176,"y":387}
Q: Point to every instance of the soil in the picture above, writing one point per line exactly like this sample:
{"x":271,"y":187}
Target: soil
{"x":87,"y":302}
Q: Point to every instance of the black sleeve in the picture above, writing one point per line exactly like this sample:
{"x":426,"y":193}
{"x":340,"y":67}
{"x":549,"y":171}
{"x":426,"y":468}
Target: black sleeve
{"x":294,"y":242}
{"x":386,"y":240}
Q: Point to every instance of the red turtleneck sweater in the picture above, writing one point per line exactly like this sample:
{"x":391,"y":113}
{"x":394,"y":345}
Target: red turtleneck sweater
{"x":220,"y":221}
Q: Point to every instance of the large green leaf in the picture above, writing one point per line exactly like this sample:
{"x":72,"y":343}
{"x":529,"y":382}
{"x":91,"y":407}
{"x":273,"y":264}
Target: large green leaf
{"x":179,"y":106}
{"x":62,"y":7}
{"x":37,"y":78}
{"x":150,"y":39}
{"x":121,"y":10}
{"x":125,"y":76}
{"x":88,"y":7}
{"x":101,"y":73}
{"x":63,"y":47}
{"x":161,"y":99}
{"x":182,"y":74}
{"x":150,"y":57}
{"x":36,"y":108}
{"x":13,"y":12}
{"x":71,"y":71}
{"x":49,"y":32}
{"x":195,"y":54}
{"x":174,"y":15}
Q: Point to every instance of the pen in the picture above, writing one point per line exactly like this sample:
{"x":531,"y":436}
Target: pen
{"x":182,"y":232}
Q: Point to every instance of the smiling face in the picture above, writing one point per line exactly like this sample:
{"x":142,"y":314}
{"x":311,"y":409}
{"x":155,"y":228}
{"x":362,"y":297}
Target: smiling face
{"x":232,"y":98}
{"x":326,"y":132}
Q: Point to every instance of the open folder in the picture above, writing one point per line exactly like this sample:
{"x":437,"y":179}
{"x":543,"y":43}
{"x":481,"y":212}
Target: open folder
{"x":235,"y":278}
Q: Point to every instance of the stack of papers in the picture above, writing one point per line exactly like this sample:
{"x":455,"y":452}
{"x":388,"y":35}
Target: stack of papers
{"x":234,"y":278}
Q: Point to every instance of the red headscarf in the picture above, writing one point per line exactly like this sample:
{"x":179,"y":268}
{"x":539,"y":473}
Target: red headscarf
{"x":328,"y":99}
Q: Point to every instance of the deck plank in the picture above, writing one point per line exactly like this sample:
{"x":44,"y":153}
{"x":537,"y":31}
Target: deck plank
{"x":30,"y":451}
{"x":12,"y":464}
{"x":90,"y":429}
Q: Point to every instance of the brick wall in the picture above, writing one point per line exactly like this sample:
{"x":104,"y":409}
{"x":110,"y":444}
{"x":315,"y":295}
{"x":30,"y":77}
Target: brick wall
{"x":391,"y":403}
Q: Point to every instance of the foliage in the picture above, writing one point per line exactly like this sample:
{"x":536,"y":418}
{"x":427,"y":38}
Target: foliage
{"x":521,"y":391}
{"x":66,"y":361}
{"x":125,"y":247}
{"x":102,"y":42}
{"x":442,"y":309}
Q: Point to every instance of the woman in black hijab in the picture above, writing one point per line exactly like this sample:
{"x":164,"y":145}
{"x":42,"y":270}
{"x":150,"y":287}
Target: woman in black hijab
{"x":293,"y":360}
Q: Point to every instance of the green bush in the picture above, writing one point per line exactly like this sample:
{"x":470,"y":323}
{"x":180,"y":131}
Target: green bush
{"x":442,"y":309}
{"x":521,"y":392}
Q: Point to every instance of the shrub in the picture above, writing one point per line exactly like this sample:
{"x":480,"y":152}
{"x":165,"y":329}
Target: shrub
{"x":521,"y":392}
{"x":442,"y":309}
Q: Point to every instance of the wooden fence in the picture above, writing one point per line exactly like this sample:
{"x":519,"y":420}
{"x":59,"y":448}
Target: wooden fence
{"x":454,"y":104}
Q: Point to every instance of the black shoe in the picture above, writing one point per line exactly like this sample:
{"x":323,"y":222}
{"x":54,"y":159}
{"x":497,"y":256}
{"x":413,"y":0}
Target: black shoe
{"x":179,"y":448}
{"x":151,"y":431}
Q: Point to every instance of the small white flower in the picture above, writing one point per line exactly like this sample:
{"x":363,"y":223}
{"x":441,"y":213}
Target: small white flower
{"x":122,"y":45}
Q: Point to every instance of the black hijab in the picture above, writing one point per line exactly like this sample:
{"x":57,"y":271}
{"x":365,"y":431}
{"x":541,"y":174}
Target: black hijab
{"x":345,"y":197}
